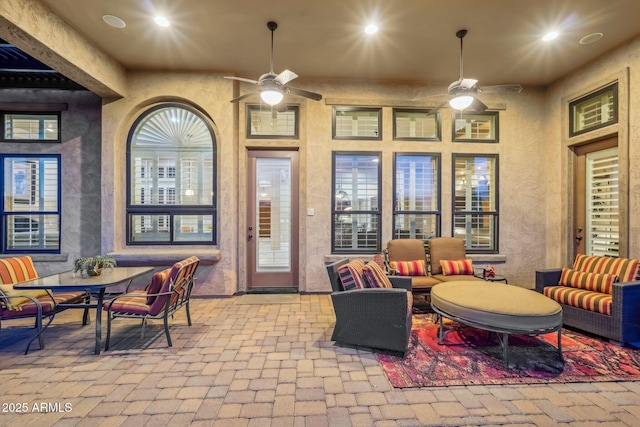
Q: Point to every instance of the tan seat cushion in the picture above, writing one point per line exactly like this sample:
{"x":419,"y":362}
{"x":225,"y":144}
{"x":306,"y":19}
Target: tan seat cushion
{"x":423,"y":282}
{"x":458,"y":278}
{"x":405,"y":250}
{"x":497,"y":305}
{"x":444,"y":248}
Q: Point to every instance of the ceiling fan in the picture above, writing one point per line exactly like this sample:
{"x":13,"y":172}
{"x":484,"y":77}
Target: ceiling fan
{"x":273,"y":86}
{"x":464,"y":91}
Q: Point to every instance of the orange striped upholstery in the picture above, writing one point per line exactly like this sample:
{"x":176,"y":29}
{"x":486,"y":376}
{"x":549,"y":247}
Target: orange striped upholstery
{"x":459,"y":267}
{"x":589,"y":281}
{"x":409,"y":268}
{"x":581,"y":298}
{"x":16,"y":270}
{"x":626,"y":269}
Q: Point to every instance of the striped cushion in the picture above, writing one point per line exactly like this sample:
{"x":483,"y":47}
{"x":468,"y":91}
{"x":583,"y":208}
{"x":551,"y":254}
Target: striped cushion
{"x":15,"y":270}
{"x":454,"y":268}
{"x":29,"y":308}
{"x":133,"y":303}
{"x":626,"y":269}
{"x":375,"y":277}
{"x":581,"y":298}
{"x":409,"y":268}
{"x":589,"y":281}
{"x":156,"y":283}
{"x":351,"y":275}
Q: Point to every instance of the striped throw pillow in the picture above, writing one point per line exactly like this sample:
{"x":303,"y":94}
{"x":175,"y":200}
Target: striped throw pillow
{"x":408,"y":268}
{"x":351,"y":275}
{"x":456,"y":267}
{"x":595,"y":282}
{"x":375,"y":277}
{"x":626,"y":269}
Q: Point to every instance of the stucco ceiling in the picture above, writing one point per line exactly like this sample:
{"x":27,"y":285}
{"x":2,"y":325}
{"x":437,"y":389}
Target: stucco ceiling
{"x":325,"y":38}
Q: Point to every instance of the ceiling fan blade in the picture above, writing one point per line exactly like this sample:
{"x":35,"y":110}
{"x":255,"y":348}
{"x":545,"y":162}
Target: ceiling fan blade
{"x":242,"y":79}
{"x":514,"y":88}
{"x":241,"y":97}
{"x":303,"y":93}
{"x":285,"y":77}
{"x":477,"y":105}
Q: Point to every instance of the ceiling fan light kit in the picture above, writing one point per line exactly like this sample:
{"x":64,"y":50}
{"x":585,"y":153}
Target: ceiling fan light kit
{"x":271,"y":97}
{"x":461,"y":102}
{"x":274,"y":85}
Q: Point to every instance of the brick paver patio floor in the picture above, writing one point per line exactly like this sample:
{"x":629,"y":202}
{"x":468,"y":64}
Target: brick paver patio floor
{"x":260,"y":365}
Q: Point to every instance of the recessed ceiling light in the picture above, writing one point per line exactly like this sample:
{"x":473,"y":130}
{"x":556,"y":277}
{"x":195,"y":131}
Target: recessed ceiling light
{"x":114,"y":21}
{"x":371,"y":29}
{"x":591,"y":38}
{"x":162,"y":21}
{"x":550,"y":36}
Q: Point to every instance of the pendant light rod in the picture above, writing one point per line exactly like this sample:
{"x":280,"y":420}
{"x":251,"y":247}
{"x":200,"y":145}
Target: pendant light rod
{"x":460,"y":34}
{"x":272,"y":26}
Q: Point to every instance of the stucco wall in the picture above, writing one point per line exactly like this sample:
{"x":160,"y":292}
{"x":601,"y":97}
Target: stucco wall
{"x":81,"y":175}
{"x":622,"y":65}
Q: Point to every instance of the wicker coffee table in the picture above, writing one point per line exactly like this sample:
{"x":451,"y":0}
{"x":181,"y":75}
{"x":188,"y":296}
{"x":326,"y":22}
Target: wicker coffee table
{"x":496,"y":307}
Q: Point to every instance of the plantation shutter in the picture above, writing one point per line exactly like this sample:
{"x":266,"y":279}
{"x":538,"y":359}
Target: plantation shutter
{"x":603,"y":236}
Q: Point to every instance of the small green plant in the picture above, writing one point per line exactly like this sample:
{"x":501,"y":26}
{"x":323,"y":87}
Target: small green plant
{"x":93,"y":265}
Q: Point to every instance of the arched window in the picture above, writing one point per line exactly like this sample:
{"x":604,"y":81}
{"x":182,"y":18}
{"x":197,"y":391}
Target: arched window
{"x":171,"y":157}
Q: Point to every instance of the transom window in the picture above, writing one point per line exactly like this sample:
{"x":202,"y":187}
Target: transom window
{"x":171,"y":178}
{"x":271,"y":123}
{"x":476,"y":127}
{"x":475,"y":205}
{"x":31,"y":206}
{"x":420,"y":125}
{"x":416,"y":212}
{"x":357,"y":123}
{"x":594,"y":111}
{"x":356,"y":202}
{"x":31,"y":127}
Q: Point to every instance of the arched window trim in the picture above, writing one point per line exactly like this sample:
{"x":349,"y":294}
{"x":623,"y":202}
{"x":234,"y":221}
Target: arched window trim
{"x":172,"y":219}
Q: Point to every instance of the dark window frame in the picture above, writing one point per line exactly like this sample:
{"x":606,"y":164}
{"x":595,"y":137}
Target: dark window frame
{"x":376,"y":213}
{"x":170,"y":210}
{"x":438,"y":188}
{"x":573,"y":104}
{"x":3,"y":126}
{"x":259,"y":107}
{"x":335,"y":112}
{"x":494,"y":214}
{"x":426,"y":111}
{"x":5,"y":215}
{"x":494,"y":140}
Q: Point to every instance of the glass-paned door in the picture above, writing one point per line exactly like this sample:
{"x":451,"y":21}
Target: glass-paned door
{"x":272,"y":232}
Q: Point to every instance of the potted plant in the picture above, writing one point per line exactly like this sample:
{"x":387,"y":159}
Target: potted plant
{"x":93,"y":265}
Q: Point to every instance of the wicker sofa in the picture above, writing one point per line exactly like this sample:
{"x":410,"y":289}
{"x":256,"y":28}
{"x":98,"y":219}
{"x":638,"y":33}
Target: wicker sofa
{"x":373,"y":318}
{"x":599,"y":295}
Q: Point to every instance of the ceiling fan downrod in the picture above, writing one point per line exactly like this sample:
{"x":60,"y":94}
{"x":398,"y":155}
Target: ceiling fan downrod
{"x":460,"y":34}
{"x":272,"y":26}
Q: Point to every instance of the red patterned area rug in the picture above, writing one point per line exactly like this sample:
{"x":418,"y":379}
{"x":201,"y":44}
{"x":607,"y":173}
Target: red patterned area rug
{"x":473,"y":356}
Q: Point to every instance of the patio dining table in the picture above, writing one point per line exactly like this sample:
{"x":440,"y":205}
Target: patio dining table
{"x":96,"y":285}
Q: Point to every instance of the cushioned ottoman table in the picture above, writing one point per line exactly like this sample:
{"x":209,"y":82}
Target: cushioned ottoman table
{"x":496,"y":307}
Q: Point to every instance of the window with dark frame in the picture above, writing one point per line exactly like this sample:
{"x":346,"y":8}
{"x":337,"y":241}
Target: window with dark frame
{"x":594,"y":111}
{"x":356,"y":184}
{"x":475,"y":127}
{"x":416,"y":189}
{"x":416,"y":125}
{"x":270,"y":122}
{"x":357,"y":123}
{"x":31,"y":126}
{"x":31,"y":204}
{"x":475,"y":201}
{"x":171,"y":178}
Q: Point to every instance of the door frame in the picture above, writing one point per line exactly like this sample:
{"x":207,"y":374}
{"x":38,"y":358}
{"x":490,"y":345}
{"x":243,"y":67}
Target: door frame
{"x":272,"y":284}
